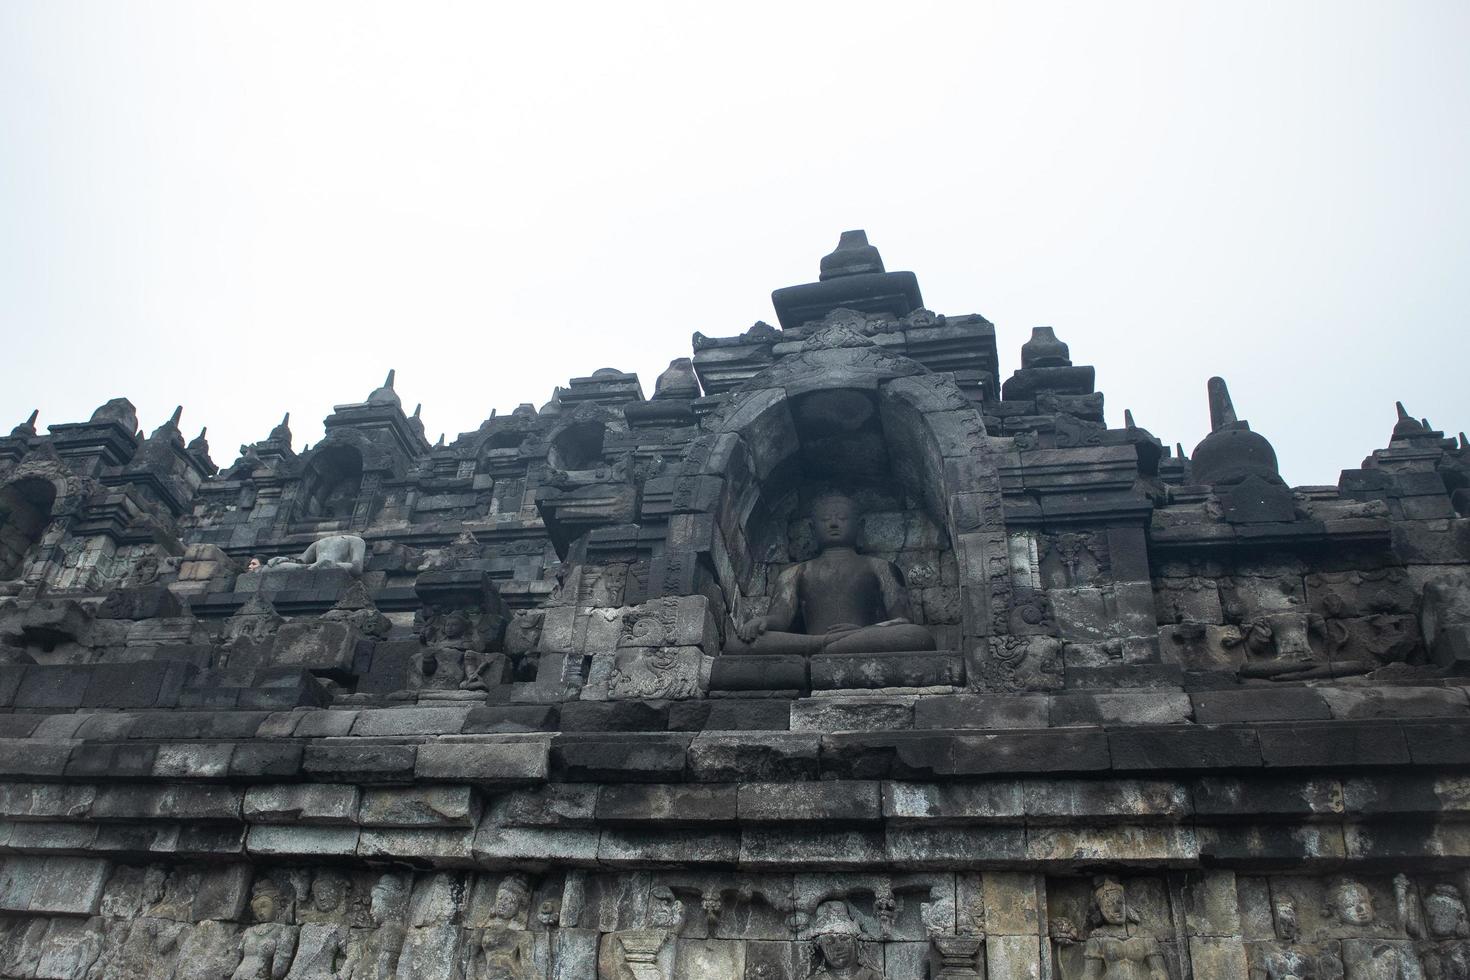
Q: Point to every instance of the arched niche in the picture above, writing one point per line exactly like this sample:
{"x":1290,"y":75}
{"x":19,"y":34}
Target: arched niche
{"x":26,"y":507}
{"x":332,"y":483}
{"x":578,"y":445}
{"x":844,"y":414}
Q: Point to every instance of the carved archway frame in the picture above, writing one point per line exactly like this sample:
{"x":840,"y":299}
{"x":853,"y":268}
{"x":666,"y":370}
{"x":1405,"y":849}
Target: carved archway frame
{"x":939,"y":448}
{"x":71,"y":493}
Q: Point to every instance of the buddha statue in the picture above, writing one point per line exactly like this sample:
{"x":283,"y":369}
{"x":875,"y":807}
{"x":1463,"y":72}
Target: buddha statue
{"x":339,"y":551}
{"x":838,"y":602}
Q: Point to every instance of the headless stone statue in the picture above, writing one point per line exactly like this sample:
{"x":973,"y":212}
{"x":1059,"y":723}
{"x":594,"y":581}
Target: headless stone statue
{"x":837,"y":602}
{"x":344,"y":551}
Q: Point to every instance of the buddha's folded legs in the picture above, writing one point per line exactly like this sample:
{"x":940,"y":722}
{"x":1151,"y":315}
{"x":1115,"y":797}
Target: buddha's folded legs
{"x":893,"y":638}
{"x":776,"y":642}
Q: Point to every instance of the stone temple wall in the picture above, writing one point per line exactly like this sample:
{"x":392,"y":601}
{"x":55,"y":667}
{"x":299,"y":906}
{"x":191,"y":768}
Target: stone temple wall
{"x":836,"y":657}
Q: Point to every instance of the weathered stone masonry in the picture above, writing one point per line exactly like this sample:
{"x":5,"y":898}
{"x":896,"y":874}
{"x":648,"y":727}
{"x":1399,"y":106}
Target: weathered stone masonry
{"x":586,"y":693}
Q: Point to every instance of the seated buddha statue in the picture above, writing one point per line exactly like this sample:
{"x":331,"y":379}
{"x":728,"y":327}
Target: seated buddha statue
{"x":838,"y":602}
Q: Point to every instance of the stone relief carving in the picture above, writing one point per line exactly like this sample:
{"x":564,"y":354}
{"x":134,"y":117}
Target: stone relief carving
{"x":657,"y":673}
{"x":1116,"y":946}
{"x":836,"y":944}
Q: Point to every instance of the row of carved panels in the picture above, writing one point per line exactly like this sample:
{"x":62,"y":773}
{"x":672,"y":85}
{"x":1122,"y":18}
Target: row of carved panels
{"x":239,"y":921}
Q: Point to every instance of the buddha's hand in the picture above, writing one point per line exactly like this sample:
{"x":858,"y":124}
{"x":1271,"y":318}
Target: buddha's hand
{"x":751,"y":628}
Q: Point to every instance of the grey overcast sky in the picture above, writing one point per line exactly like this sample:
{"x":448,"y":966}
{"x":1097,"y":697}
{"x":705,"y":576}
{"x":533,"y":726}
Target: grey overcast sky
{"x":256,"y":208}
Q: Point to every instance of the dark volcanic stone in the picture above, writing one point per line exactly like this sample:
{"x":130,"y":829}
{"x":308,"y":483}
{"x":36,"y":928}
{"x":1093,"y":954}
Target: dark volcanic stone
{"x":759,"y":673}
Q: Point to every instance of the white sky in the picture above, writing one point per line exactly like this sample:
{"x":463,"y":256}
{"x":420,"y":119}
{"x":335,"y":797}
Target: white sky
{"x":255,"y":208}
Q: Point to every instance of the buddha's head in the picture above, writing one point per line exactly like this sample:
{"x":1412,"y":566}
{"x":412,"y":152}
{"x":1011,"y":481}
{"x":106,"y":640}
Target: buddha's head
{"x":835,"y":519}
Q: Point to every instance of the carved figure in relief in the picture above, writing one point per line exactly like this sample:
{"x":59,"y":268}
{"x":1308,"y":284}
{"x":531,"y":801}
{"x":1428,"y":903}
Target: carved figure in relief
{"x":374,"y":952}
{"x":504,"y":950}
{"x":269,"y":946}
{"x":345,"y":551}
{"x":1350,"y":903}
{"x":837,"y":602}
{"x":1117,"y":947}
{"x":836,"y":934}
{"x":1440,"y":925}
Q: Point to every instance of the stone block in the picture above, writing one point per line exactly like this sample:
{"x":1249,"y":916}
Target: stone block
{"x":1268,"y":797}
{"x":1269,"y":846}
{"x":310,"y":803}
{"x":63,"y":885}
{"x":507,"y":718}
{"x":948,"y":848}
{"x":1331,"y":744}
{"x":1218,"y":956}
{"x":1014,"y":957}
{"x":442,"y":847}
{"x":325,"y":724}
{"x":667,"y":803}
{"x":513,"y":761}
{"x":1360,"y":703}
{"x":396,"y":722}
{"x":282,"y":840}
{"x":174,"y":801}
{"x":731,"y":715}
{"x":33,"y":757}
{"x":742,"y":757}
{"x":419,"y":806}
{"x":1181,"y":747}
{"x":841,"y":714}
{"x":650,"y":758}
{"x":783,"y":847}
{"x":137,"y":685}
{"x":360,"y":763}
{"x":1121,"y":708}
{"x":982,"y":711}
{"x":1437,"y":742}
{"x":205,"y":725}
{"x":515,"y":846}
{"x":1211,"y":904}
{"x":991,"y":801}
{"x":53,"y":686}
{"x":1072,"y":750}
{"x":1119,"y":844}
{"x":395,"y":666}
{"x":1012,"y":902}
{"x":316,"y":645}
{"x":614,"y":716}
{"x":673,"y":847}
{"x":838,"y":801}
{"x":112,"y":761}
{"x":1136,"y":801}
{"x":884,"y":755}
{"x":266,"y":759}
{"x":193,"y":761}
{"x":1259,"y":704}
{"x":759,"y":673}
{"x":848,"y":671}
{"x":551,"y":805}
{"x":146,"y":602}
